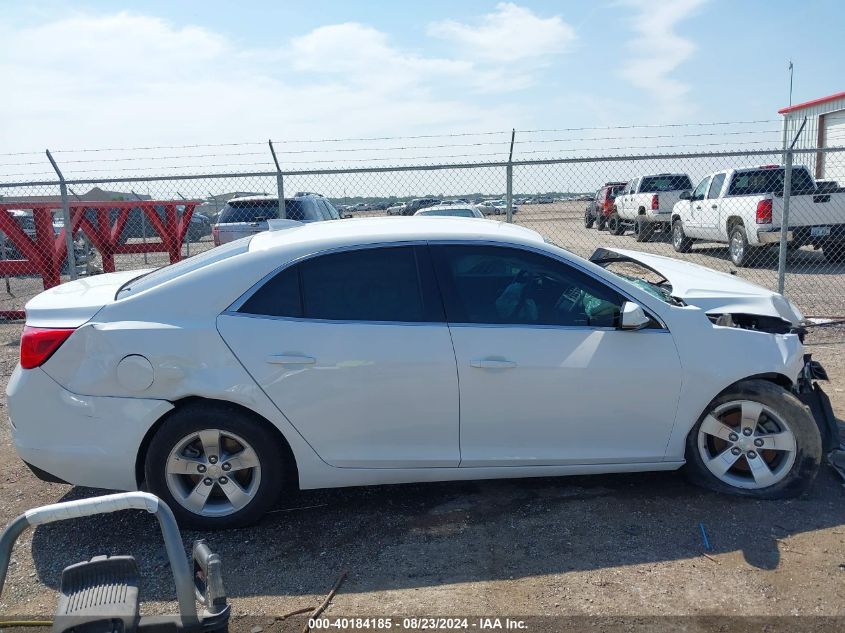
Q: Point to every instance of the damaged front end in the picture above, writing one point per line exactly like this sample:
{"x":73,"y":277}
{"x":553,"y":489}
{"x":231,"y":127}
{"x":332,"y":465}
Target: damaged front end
{"x":808,"y":391}
{"x":759,"y":322}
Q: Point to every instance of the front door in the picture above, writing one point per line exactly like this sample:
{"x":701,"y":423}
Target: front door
{"x":353,"y":349}
{"x":546,"y":377}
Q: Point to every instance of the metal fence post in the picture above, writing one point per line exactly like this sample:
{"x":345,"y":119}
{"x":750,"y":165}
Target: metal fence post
{"x":784,"y":221}
{"x":280,"y":182}
{"x":71,"y":255}
{"x":509,"y":178}
{"x":143,"y":225}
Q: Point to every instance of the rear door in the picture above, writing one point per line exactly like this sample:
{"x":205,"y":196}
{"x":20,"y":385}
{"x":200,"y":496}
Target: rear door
{"x":353,"y":348}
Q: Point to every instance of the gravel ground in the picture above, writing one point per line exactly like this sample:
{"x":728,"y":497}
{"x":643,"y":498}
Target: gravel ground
{"x":621,"y":545}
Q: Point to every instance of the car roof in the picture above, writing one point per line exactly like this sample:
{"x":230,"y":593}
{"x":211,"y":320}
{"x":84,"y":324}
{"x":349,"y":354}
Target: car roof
{"x":356,"y":231}
{"x":457,"y":206}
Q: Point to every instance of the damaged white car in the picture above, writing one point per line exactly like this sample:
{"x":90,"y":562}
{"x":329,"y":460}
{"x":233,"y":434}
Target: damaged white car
{"x":377,"y":351}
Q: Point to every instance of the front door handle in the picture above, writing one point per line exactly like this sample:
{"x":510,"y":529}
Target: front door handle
{"x":492,"y":363}
{"x":290,"y":359}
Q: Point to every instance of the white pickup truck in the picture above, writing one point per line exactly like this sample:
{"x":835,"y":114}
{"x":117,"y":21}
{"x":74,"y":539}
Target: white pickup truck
{"x":743,"y":208}
{"x":646,"y":203}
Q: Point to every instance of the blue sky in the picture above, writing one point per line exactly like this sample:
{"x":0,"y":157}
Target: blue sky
{"x":104,"y":73}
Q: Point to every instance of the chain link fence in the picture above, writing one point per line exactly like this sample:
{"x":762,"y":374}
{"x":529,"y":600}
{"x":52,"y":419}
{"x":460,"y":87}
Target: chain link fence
{"x":723,"y":210}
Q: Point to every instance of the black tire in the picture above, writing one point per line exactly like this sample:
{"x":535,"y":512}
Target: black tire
{"x":834,"y":252}
{"x":614,"y":224}
{"x":197,"y":416}
{"x":643,"y":230}
{"x":588,"y":219}
{"x":680,"y":242}
{"x":738,"y":249}
{"x":601,"y":222}
{"x":808,"y":454}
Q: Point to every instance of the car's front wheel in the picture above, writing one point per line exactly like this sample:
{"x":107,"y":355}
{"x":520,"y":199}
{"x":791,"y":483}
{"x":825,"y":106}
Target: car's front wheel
{"x":756,"y":440}
{"x":215,"y":466}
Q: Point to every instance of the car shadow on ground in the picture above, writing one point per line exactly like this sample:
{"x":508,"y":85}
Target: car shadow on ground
{"x":407,"y":536}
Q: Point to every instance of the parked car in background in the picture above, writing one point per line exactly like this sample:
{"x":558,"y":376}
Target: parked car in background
{"x":601,"y":206}
{"x":286,"y":361}
{"x":416,"y":204}
{"x":744,"y":207}
{"x":250,"y":215}
{"x":487,"y":207}
{"x":645,"y":204}
{"x":397,"y":209}
{"x":451,"y":210}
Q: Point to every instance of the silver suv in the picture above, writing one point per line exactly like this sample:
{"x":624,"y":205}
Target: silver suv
{"x":248,"y":215}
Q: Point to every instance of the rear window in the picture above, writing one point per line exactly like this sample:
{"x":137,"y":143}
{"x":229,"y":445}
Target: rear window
{"x":760,"y":181}
{"x":302,"y":210}
{"x":166,"y":273}
{"x":670,"y":182}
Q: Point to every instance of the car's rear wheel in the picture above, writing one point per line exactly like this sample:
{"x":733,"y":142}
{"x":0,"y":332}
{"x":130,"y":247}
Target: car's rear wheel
{"x":738,"y":246}
{"x":601,"y":221}
{"x":755,"y":440}
{"x":834,"y":252}
{"x":680,"y":242}
{"x":215,"y":466}
{"x":614,"y":224}
{"x":643,"y":230}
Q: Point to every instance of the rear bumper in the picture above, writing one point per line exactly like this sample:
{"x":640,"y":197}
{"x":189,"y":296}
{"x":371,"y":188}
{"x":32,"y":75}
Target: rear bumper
{"x":82,"y":440}
{"x":655,"y":216}
{"x":771,"y":237}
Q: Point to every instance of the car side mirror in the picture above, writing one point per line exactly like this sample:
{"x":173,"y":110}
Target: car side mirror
{"x":633,"y":317}
{"x":686,"y":195}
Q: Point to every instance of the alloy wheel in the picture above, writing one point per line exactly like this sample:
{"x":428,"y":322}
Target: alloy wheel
{"x":746,"y":444}
{"x":213,"y":473}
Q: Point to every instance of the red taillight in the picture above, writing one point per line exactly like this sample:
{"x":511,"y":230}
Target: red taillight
{"x":38,"y":344}
{"x":655,"y":203}
{"x":215,"y":234}
{"x":764,"y":212}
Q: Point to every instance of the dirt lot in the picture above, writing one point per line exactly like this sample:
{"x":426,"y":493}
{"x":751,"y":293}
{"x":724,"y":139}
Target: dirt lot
{"x":610,"y":545}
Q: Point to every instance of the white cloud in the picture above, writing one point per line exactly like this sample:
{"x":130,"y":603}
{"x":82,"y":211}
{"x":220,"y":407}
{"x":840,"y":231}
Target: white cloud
{"x":511,"y":33}
{"x":128,"y":79}
{"x":658,"y":51}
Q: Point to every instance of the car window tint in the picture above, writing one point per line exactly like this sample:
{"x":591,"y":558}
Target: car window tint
{"x":249,"y":211}
{"x":769,"y":180}
{"x":375,"y":284}
{"x":296,"y":210}
{"x":716,"y":186}
{"x":668,"y":182}
{"x":279,"y":296}
{"x":698,"y":194}
{"x":499,"y":285}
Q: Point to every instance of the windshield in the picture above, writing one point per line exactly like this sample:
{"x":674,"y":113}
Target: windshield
{"x":166,"y":273}
{"x":666,"y":182}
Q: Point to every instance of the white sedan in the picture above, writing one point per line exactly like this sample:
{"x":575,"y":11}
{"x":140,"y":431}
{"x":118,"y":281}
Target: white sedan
{"x":452,"y":211}
{"x":376,"y":351}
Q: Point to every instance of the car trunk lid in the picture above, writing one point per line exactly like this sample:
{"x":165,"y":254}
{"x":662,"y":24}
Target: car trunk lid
{"x":73,"y":303}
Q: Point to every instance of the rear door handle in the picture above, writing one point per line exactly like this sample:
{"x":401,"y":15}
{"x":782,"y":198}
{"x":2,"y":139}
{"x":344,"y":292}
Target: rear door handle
{"x":490,"y":363}
{"x":290,"y":359}
{"x":714,"y":206}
